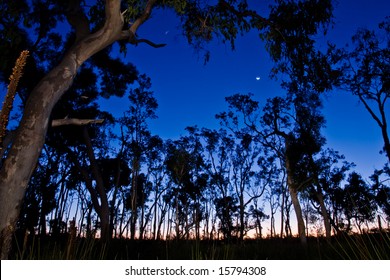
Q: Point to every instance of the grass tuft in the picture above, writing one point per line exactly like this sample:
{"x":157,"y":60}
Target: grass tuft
{"x":341,"y":247}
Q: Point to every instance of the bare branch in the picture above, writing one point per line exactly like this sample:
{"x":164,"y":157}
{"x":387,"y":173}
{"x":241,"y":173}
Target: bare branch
{"x":130,"y":34}
{"x":150,"y":43}
{"x":9,"y":138}
{"x":145,"y":15}
{"x":61,"y":122}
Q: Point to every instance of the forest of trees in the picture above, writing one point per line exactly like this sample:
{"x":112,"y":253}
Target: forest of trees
{"x":264,"y":172}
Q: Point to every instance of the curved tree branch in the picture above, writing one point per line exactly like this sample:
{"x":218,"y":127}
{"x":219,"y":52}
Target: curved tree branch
{"x":130,"y":34}
{"x":145,"y":15}
{"x":61,"y":122}
{"x":150,"y":43}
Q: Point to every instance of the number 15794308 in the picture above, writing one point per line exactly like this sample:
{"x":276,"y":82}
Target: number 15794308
{"x":238,"y":270}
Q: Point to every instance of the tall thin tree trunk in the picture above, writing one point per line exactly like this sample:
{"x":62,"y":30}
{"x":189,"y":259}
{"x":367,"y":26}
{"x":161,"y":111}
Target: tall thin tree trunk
{"x":163,"y":213}
{"x":142,"y":220}
{"x":287,"y":225}
{"x":88,"y":227}
{"x":121,"y":228}
{"x":325,"y":216}
{"x":282,"y":206}
{"x":104,"y":209}
{"x":282,"y":216}
{"x":177,"y":221}
{"x":298,"y":214}
{"x":242,"y":217}
{"x":386,"y":146}
{"x":294,"y":196}
{"x":134,"y":194}
{"x":113,"y":208}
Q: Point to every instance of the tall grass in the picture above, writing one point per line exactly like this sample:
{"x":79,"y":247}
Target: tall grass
{"x":210,"y":251}
{"x":361,"y":247}
{"x":61,"y":248}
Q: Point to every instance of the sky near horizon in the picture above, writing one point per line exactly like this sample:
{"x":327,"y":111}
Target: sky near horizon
{"x":190,"y":92}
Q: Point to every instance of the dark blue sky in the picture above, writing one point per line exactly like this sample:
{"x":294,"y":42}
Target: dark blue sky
{"x":191,"y":93}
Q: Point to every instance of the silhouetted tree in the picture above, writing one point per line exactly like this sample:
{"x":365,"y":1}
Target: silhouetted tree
{"x":273,"y":194}
{"x":301,"y":142}
{"x":259,"y":217}
{"x":155,"y":158}
{"x":366,"y":74}
{"x":327,"y":174}
{"x":358,"y":201}
{"x":40,"y":198}
{"x":289,"y":128}
{"x":381,"y":190}
{"x":115,"y":175}
{"x":136,"y":135}
{"x":144,"y":188}
{"x":246,"y":184}
{"x":185,"y":165}
{"x":218,"y":147}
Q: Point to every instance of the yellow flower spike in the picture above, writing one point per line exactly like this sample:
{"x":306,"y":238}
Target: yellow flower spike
{"x":14,"y":78}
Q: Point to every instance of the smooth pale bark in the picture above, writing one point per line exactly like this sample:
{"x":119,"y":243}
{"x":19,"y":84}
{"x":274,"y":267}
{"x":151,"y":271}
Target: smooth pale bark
{"x":292,"y":185}
{"x":282,"y":213}
{"x":298,"y":214}
{"x":324,"y":214}
{"x":293,"y":190}
{"x":242,"y":216}
{"x":134,"y":196}
{"x":30,"y":135}
{"x":79,"y":122}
